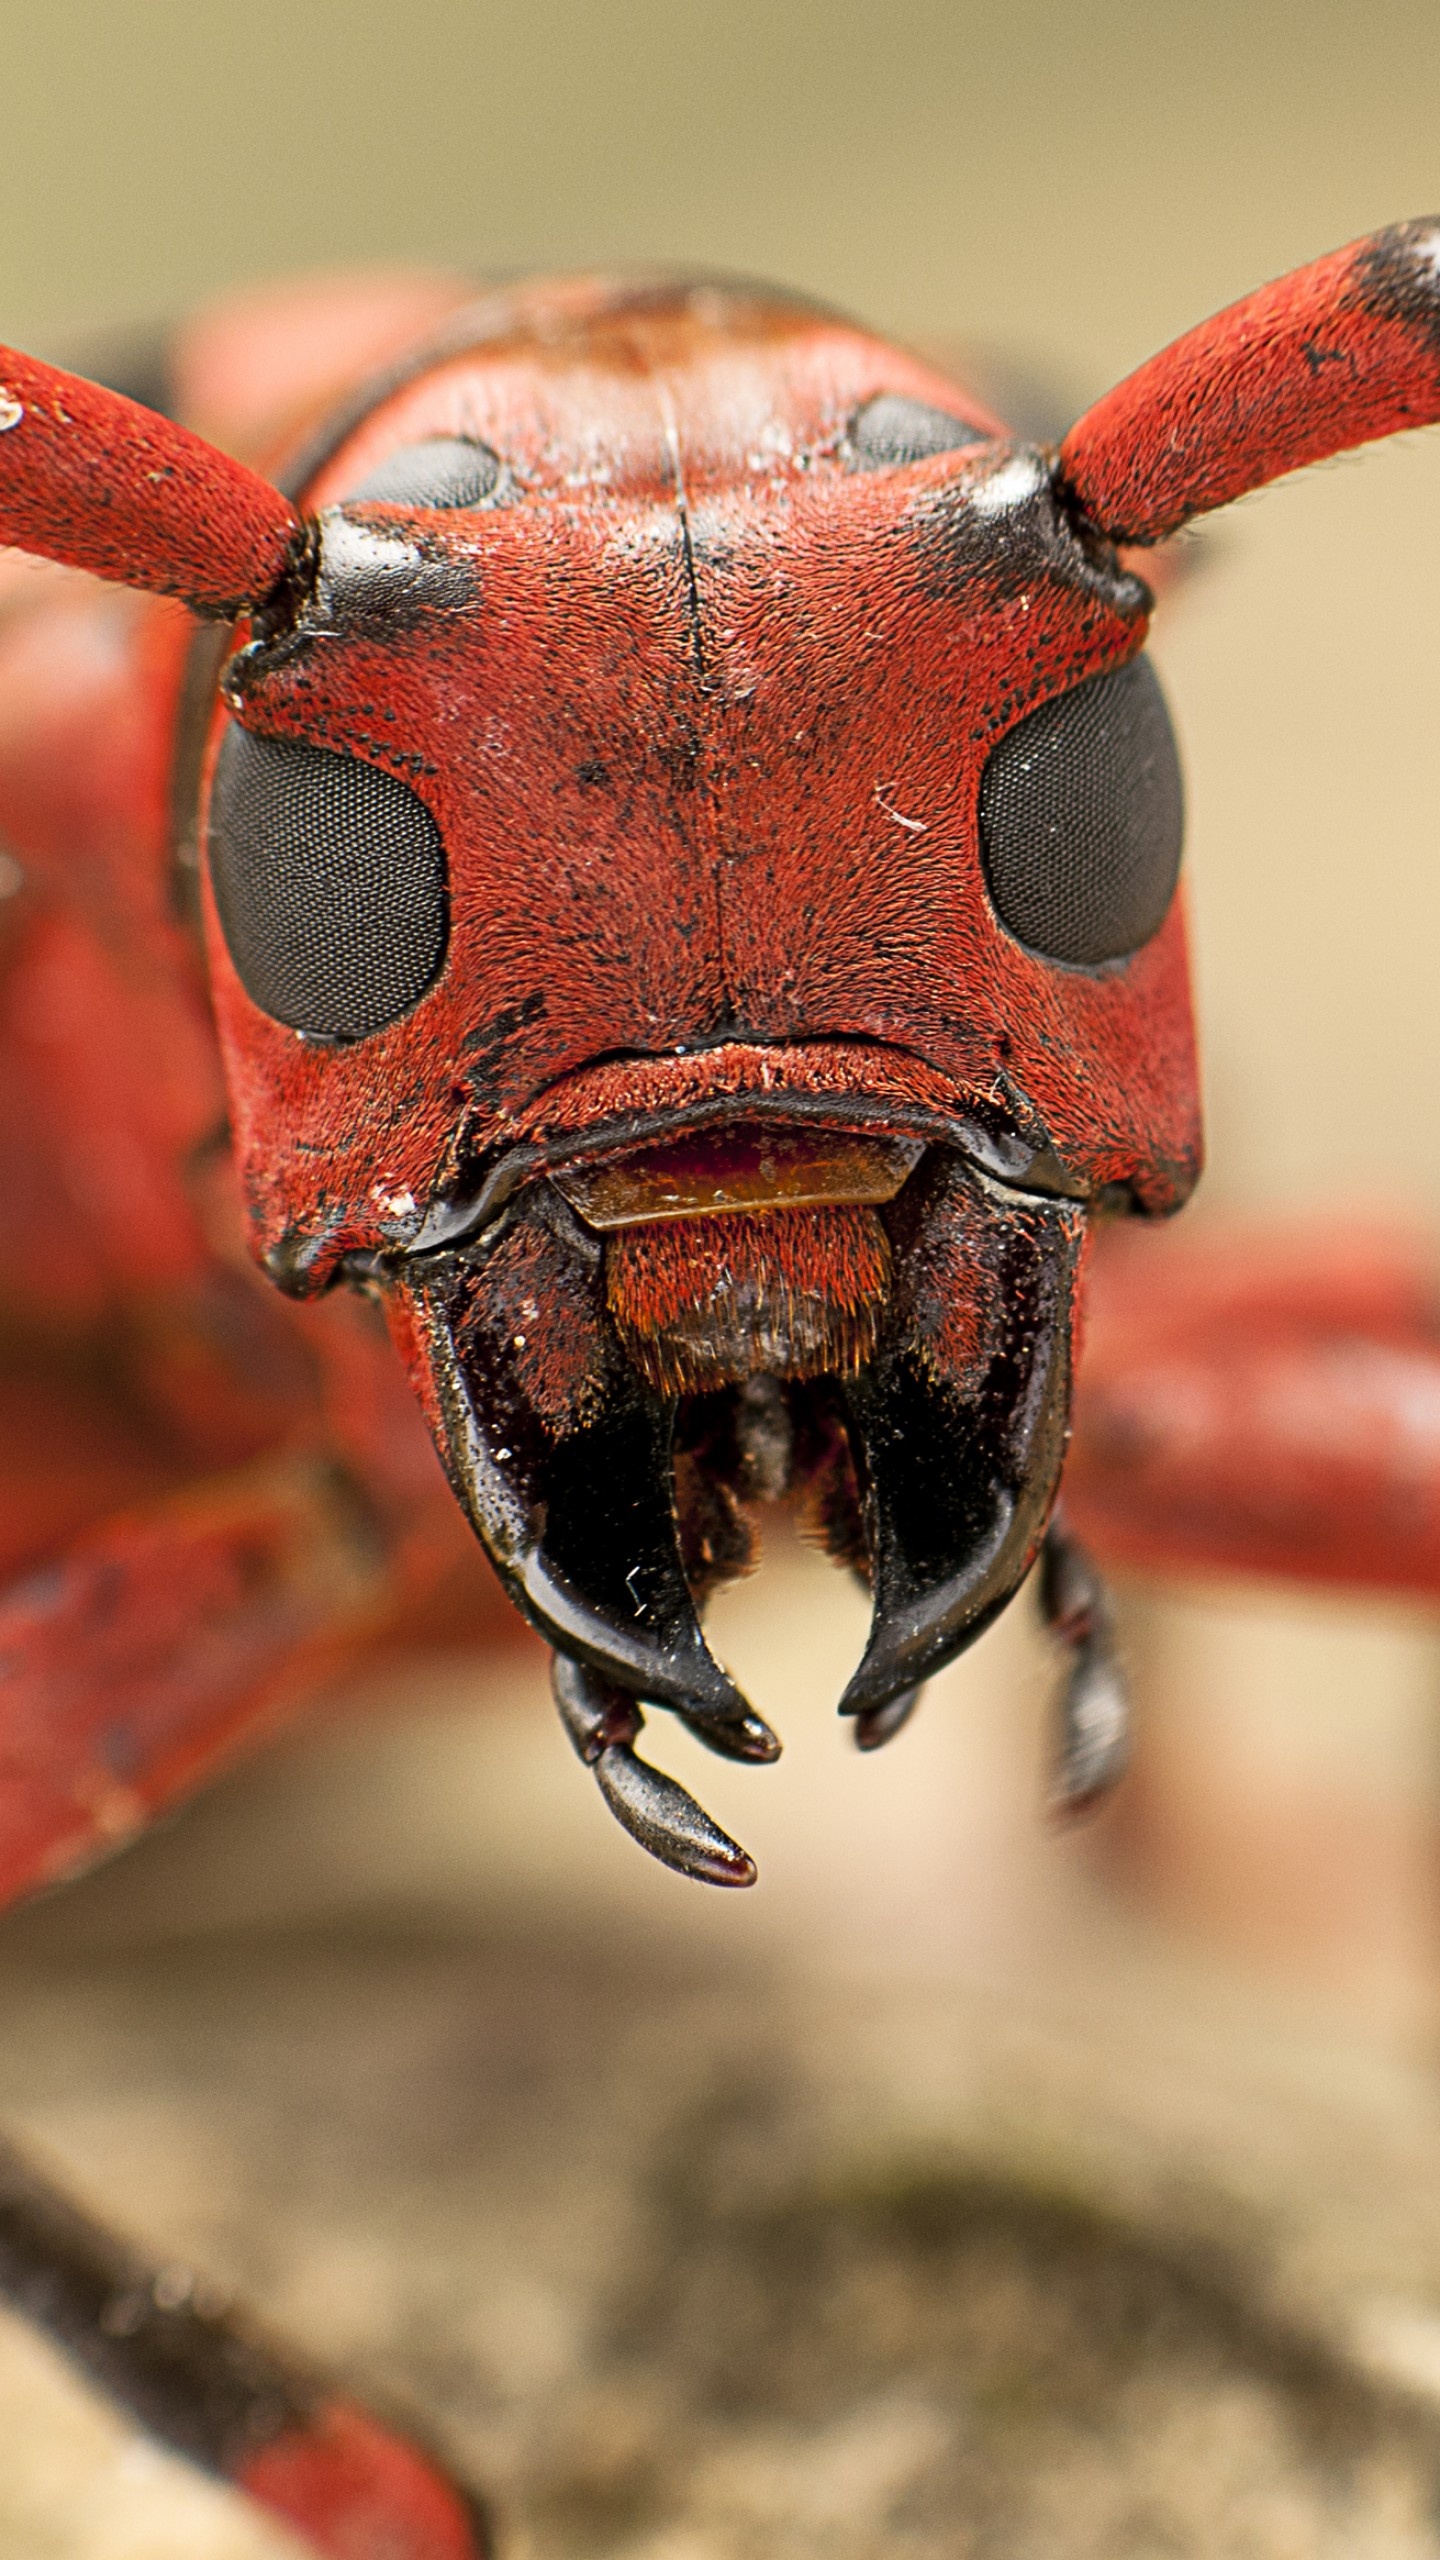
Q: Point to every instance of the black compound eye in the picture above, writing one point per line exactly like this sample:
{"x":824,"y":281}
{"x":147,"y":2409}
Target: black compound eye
{"x":890,"y":430}
{"x":445,"y":471}
{"x":1081,"y":818}
{"x":330,"y":880}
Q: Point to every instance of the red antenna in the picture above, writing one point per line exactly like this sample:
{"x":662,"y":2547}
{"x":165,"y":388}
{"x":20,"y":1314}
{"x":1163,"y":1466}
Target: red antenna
{"x":1332,"y":356}
{"x":94,"y":480}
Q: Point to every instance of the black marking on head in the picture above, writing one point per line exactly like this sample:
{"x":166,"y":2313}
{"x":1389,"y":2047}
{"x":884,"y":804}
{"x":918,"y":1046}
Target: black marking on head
{"x":1398,"y":277}
{"x":330,"y":880}
{"x":302,"y":1262}
{"x":443,"y":471}
{"x":356,"y":581}
{"x":486,"y":1045}
{"x":372,"y":579}
{"x":503,"y":1026}
{"x":891,"y":430}
{"x":1081,"y":820}
{"x":1009,"y":526}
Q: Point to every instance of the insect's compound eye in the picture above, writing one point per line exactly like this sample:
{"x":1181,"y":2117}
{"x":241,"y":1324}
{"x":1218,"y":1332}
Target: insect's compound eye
{"x":1081,"y":820}
{"x":890,"y":430}
{"x":444,"y":471}
{"x":329,"y":877}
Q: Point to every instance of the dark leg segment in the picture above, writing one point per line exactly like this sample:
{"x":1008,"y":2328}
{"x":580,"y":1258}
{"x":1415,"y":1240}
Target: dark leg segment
{"x":167,"y":2349}
{"x":1092,"y":1740}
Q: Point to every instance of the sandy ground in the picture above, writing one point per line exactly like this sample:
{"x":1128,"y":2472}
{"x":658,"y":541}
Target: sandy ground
{"x":920,"y":2203}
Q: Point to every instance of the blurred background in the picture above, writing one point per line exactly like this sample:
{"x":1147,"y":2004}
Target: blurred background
{"x":629,"y":2184}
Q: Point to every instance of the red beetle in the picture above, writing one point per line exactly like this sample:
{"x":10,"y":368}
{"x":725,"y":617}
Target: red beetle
{"x":687,"y":934}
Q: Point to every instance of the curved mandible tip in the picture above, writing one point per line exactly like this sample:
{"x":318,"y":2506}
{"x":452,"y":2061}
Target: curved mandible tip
{"x":1332,"y":356}
{"x":97,"y":482}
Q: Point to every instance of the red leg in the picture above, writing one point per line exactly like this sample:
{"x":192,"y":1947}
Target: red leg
{"x":155,"y":1646}
{"x":1263,"y":1404}
{"x":158,"y":1643}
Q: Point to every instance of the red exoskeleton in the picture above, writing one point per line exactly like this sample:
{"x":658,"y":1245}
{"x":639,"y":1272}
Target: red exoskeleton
{"x":635,"y":877}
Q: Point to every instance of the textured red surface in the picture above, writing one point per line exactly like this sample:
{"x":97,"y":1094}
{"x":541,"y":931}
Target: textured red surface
{"x":732,"y":698}
{"x":95,"y":481}
{"x":814,"y":1277}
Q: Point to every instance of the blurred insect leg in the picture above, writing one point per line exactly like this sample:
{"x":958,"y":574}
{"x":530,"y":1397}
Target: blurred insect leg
{"x":1262,"y":1404}
{"x":1092,"y":1736}
{"x":155,"y":1647}
{"x":158,"y":1643}
{"x":166,"y":2346}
